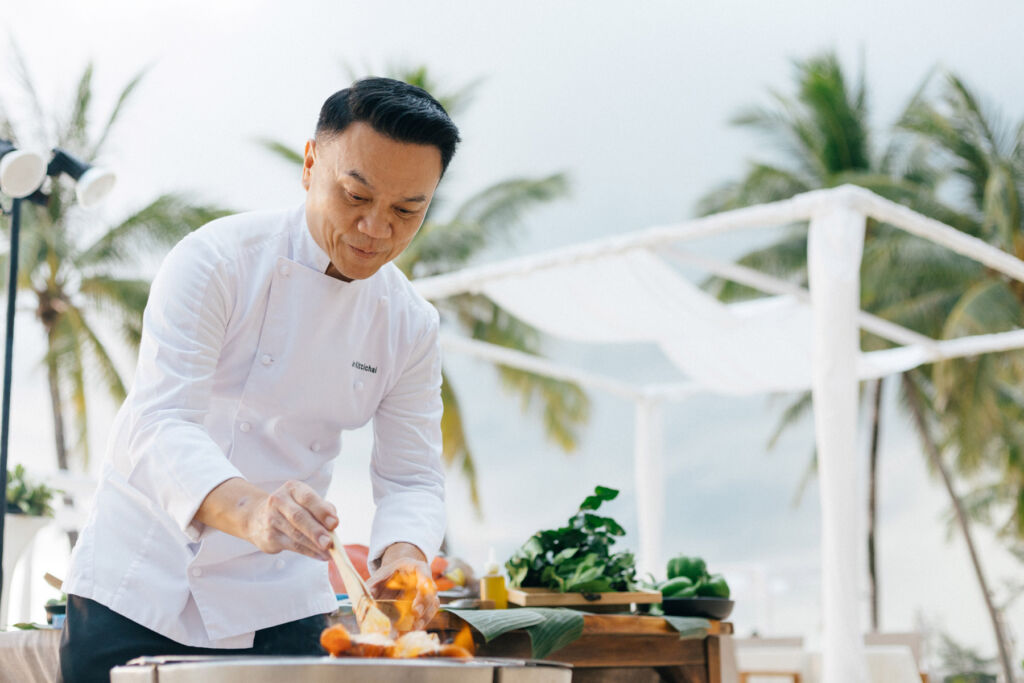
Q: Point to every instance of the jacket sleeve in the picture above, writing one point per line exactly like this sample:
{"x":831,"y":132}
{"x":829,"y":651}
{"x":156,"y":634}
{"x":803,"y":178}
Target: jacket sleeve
{"x":405,"y":467}
{"x":168,"y":454}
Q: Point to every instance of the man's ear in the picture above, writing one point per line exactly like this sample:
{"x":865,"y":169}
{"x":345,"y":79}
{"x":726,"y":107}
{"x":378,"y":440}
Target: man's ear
{"x":307,"y":162}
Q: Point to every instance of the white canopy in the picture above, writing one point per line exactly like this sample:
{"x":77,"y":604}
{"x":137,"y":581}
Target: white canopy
{"x":623,"y":290}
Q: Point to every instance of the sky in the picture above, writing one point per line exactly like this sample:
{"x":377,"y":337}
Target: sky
{"x":633,"y":105}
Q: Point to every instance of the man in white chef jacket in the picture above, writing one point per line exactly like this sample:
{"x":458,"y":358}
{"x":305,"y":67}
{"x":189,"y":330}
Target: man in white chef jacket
{"x":266,"y":335}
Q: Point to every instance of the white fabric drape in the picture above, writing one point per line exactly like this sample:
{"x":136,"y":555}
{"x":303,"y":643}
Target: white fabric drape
{"x":739,"y":349}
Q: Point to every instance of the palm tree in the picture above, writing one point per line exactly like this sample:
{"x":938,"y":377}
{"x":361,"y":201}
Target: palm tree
{"x":977,"y":415}
{"x":79,"y":272}
{"x":824,"y":135}
{"x":825,"y":140}
{"x":480,"y":221}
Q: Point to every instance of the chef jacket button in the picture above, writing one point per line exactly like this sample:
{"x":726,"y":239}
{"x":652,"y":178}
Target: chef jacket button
{"x":267,"y":359}
{"x":244,"y":427}
{"x":279,"y":563}
{"x":358,"y":385}
{"x":196,"y":571}
{"x":315,"y":446}
{"x":284,"y":269}
{"x":383,"y":301}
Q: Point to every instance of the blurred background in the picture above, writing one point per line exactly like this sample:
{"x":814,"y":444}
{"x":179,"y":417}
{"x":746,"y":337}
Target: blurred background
{"x":591,"y":120}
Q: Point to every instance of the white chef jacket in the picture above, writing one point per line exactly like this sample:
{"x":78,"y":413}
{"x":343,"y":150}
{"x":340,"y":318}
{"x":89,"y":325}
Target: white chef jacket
{"x":252,"y":362}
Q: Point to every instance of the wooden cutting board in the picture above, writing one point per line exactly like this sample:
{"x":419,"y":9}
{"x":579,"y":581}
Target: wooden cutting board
{"x":542,"y":597}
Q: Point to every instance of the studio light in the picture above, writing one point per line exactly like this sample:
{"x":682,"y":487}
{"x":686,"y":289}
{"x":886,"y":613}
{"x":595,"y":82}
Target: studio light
{"x":92,"y":183}
{"x":21,"y":176}
{"x":21,"y":171}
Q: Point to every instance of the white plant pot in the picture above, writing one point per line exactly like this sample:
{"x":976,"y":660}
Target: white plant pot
{"x":19,"y":531}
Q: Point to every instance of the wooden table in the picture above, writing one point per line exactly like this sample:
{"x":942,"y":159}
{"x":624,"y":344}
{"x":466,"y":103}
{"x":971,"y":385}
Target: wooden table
{"x":623,"y":647}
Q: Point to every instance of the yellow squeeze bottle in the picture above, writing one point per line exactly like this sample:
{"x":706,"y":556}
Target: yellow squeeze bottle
{"x":492,"y":584}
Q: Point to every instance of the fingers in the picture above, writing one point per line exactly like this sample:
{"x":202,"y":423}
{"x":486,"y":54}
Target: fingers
{"x":393,"y":580}
{"x":297,"y":519}
{"x":302,"y":522}
{"x":424,"y":608}
{"x":291,"y":538}
{"x":324,"y":513}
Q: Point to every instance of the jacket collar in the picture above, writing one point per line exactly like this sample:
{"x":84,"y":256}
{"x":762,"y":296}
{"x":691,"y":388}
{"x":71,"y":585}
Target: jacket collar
{"x":304,"y":248}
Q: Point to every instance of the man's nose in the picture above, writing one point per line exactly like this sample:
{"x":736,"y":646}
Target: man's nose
{"x":374,"y":224}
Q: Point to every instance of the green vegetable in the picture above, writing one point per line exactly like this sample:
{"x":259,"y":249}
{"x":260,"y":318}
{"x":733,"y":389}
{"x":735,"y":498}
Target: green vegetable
{"x":672,"y":587}
{"x":693,"y":568}
{"x":576,"y":557}
{"x":714,"y":587}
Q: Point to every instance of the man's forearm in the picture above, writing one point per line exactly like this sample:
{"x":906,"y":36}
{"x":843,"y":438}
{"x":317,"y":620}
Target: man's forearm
{"x":230,"y":506}
{"x":294,"y":517}
{"x":401,"y":551}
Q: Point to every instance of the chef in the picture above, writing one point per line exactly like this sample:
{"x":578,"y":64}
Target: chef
{"x":266,"y":335}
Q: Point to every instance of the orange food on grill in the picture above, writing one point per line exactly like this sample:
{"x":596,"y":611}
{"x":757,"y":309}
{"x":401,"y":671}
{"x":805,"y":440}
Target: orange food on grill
{"x":371,"y":645}
{"x":335,"y":640}
{"x":340,"y":643}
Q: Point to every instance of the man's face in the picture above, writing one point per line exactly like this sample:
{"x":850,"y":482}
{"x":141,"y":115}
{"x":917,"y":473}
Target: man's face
{"x":366,"y":196}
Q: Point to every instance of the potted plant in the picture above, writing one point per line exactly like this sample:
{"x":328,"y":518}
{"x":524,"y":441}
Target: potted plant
{"x":28,"y":511}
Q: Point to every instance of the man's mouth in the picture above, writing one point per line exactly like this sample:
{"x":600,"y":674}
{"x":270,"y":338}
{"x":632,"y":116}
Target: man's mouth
{"x":362,"y":252}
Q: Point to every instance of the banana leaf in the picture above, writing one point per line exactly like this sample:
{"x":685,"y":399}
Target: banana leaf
{"x":549,"y":628}
{"x":688,"y":627}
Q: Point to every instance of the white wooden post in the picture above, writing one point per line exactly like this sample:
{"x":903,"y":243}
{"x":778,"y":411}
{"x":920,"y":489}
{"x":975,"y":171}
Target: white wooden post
{"x":649,"y":484}
{"x":834,"y":248}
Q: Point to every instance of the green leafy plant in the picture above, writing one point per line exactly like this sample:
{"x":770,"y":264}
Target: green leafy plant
{"x":24,"y":498}
{"x":578,"y":556}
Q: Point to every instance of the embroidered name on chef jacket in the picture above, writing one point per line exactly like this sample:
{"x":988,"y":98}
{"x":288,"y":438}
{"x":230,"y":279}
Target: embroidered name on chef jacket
{"x":364,"y":367}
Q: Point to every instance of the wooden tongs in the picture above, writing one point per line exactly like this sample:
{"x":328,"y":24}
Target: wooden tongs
{"x":368,"y":615}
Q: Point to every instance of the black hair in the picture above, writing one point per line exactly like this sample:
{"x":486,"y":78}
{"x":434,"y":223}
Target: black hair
{"x":393,"y":108}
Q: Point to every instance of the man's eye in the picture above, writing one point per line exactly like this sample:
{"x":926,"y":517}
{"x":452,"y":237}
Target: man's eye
{"x":406,"y":212}
{"x":356,"y":197}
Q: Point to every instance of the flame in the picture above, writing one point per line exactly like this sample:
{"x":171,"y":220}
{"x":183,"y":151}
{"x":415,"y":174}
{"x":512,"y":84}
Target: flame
{"x":408,"y":584}
{"x":414,"y":644}
{"x":464,"y":639}
{"x":340,"y":643}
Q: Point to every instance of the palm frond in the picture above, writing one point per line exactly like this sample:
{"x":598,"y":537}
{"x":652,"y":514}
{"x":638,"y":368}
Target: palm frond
{"x":97,"y":351}
{"x":455,"y":448}
{"x":159,"y":225}
{"x":565,"y":406}
{"x":483,"y":218}
{"x":839,"y":115}
{"x":115,"y":113}
{"x":119,"y":298}
{"x":502,"y":205}
{"x":785,"y":259}
{"x":792,"y":414}
{"x":24,"y":77}
{"x":957,"y":138}
{"x":66,"y":350}
{"x":761,"y":184}
{"x":1002,"y":209}
{"x":75,"y":132}
{"x":790,"y":131}
{"x":809,"y":475}
{"x":281,"y":150}
{"x":453,"y":101}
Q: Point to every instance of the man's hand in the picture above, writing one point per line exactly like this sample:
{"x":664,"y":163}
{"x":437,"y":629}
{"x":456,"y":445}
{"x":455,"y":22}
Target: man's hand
{"x":292,"y":518}
{"x":404,"y":572}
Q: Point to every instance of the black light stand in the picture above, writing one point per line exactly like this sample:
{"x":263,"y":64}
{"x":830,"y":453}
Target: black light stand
{"x":19,"y":179}
{"x":12,"y":289}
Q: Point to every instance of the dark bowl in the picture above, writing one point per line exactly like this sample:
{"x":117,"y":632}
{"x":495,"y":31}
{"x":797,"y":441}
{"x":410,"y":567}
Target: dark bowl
{"x":709,"y":608}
